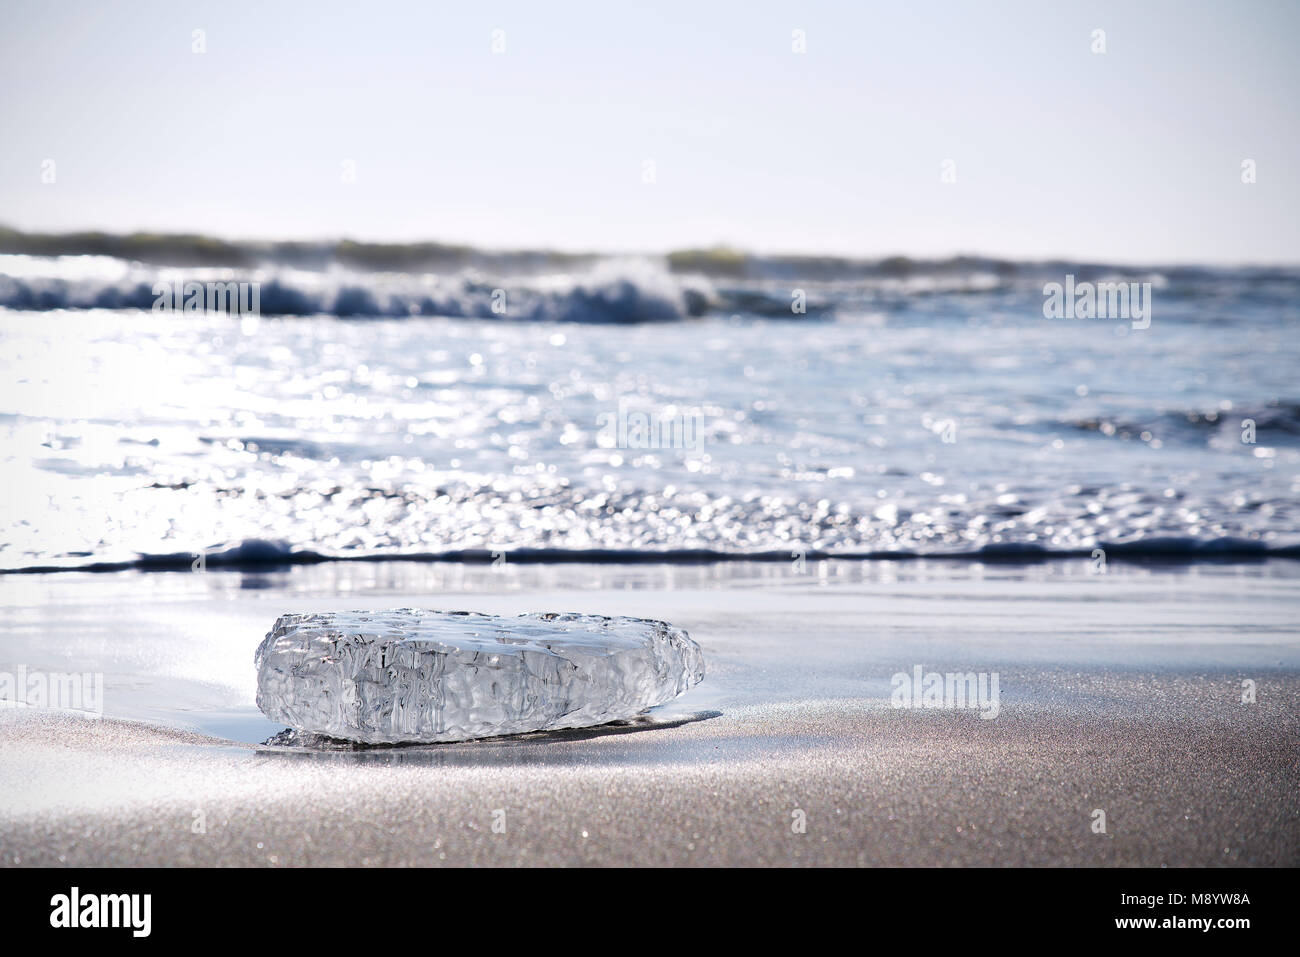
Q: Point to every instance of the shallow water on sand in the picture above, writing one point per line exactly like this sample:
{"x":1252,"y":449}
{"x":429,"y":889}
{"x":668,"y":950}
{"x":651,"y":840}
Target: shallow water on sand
{"x":177,"y":648}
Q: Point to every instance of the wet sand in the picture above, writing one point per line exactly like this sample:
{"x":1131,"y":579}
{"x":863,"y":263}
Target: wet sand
{"x":1120,"y":693}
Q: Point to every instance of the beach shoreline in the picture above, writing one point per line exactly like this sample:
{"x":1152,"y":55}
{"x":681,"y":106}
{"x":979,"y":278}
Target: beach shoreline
{"x":1121,"y":693}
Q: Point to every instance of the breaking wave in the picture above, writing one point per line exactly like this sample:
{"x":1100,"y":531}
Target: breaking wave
{"x":41,"y":273}
{"x":610,"y":293}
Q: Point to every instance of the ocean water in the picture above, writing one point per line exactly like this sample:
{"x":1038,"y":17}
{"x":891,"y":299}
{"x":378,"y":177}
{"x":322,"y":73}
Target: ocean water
{"x":500,"y":409}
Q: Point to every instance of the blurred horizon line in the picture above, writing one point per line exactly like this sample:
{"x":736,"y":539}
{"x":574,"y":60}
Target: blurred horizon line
{"x":166,"y":248}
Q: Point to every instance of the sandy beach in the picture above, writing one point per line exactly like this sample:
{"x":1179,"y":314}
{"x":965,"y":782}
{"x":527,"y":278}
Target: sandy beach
{"x":1121,"y":693}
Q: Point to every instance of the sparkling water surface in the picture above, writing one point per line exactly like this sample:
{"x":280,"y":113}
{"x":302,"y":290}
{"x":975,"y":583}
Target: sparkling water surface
{"x":936,"y":419}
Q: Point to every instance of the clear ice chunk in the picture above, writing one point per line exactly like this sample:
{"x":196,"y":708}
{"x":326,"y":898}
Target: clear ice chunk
{"x":413,"y":675}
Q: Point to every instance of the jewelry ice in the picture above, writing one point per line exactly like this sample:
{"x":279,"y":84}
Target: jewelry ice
{"x":413,"y":675}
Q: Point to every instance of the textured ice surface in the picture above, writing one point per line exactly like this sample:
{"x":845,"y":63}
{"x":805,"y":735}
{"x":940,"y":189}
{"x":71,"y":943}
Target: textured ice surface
{"x":415,"y":675}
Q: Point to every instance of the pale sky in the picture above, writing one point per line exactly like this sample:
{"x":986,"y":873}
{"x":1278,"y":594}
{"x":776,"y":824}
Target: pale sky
{"x":1134,"y":155}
